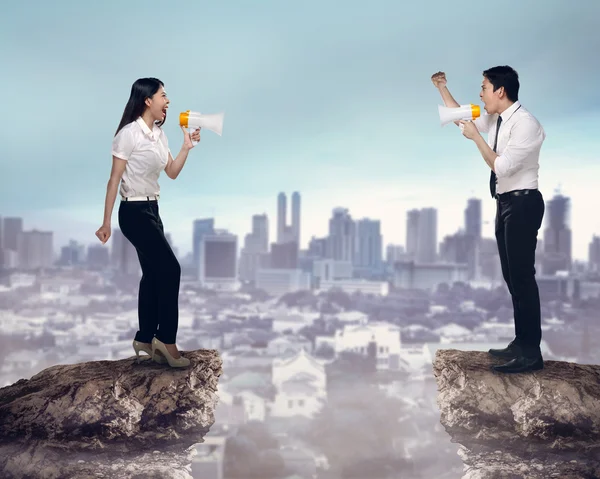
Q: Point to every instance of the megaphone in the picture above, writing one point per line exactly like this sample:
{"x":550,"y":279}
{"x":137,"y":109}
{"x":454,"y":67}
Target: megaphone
{"x":463,"y":112}
{"x":194,"y":120}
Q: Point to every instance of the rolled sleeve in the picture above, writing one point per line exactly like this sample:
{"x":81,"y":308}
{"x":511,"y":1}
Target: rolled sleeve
{"x":123,"y":144}
{"x":525,"y":138}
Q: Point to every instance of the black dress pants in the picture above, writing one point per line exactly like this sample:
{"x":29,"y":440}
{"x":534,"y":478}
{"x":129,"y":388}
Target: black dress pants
{"x":518,"y":219}
{"x":158,"y":308}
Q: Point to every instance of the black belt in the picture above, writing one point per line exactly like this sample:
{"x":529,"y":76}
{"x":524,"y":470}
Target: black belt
{"x":500,"y":196}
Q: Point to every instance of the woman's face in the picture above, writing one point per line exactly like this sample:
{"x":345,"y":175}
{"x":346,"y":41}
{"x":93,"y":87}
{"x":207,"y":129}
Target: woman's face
{"x":158,"y":104}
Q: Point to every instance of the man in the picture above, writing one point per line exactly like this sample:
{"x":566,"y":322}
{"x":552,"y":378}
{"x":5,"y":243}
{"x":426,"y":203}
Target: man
{"x":512,"y":153}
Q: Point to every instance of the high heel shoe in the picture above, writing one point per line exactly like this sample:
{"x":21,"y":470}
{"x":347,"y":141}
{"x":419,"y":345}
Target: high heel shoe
{"x":159,"y":351}
{"x":146,"y":348}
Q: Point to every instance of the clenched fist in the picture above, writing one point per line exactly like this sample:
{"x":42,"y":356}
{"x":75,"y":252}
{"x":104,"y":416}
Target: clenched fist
{"x":439,"y":79}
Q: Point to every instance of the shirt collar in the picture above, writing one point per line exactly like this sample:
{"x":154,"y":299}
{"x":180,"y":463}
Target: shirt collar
{"x":144,"y":127}
{"x":506,"y":114}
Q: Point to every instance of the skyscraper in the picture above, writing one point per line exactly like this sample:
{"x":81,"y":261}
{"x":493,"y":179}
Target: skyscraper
{"x":421,"y":235}
{"x":557,"y":235}
{"x":342,"y":236}
{"x":296,"y":217}
{"x":13,"y":227}
{"x":281,"y":217}
{"x":260,"y":231}
{"x":412,"y":232}
{"x":369,"y":245}
{"x":473,"y":218}
{"x":427,"y":247}
{"x":201,"y":228}
{"x":256,"y":248}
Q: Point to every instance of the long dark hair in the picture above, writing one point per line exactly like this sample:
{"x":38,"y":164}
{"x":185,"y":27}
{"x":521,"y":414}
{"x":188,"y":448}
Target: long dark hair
{"x":141,"y":89}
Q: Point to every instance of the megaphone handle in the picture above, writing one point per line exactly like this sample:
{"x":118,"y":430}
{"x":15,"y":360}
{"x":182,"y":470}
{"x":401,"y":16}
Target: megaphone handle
{"x":190,"y":132}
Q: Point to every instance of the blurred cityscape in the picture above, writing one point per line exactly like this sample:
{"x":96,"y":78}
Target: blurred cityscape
{"x":326,"y":351}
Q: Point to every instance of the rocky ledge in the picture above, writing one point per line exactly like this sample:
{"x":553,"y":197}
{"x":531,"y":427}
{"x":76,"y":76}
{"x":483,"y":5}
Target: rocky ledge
{"x":535,"y":425}
{"x":108,"y":419}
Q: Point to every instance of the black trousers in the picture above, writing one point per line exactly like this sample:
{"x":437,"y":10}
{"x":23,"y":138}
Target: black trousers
{"x":518,"y":219}
{"x":158,"y":308}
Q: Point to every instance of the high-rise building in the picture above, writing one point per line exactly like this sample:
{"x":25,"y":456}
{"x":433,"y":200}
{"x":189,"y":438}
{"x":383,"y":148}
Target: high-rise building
{"x":260,"y":230}
{"x":13,"y":227}
{"x":281,"y":217}
{"x":218,"y":260}
{"x":35,"y":249}
{"x":557,"y":235}
{"x":342,"y":236}
{"x":317,"y":247}
{"x":97,"y":257}
{"x":369,"y":245}
{"x":296,"y":217}
{"x":124,"y":256}
{"x":427,"y":248}
{"x":256,"y":247}
{"x":473,"y":218}
{"x":288,"y":233}
{"x":421,"y":235}
{"x":201,"y":227}
{"x":284,"y":255}
{"x":594,"y":254}
{"x":412,"y":233}
{"x":72,"y":254}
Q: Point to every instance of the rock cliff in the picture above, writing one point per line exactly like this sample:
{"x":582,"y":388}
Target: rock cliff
{"x":108,"y":419}
{"x":539,"y":425}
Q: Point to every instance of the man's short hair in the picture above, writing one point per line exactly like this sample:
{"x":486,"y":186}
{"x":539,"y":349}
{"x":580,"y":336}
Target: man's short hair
{"x":504,"y":76}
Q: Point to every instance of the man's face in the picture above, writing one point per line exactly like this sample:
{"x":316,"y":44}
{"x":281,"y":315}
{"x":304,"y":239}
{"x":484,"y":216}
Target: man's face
{"x":489,"y":97}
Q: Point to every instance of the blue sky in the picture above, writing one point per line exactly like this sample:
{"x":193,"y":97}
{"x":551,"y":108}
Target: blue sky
{"x":332,"y":99}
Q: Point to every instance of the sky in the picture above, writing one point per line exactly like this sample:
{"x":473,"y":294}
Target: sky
{"x":331,"y":99}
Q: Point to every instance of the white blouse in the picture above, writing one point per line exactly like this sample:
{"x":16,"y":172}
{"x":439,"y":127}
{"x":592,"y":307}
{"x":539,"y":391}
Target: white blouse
{"x":147,"y":154}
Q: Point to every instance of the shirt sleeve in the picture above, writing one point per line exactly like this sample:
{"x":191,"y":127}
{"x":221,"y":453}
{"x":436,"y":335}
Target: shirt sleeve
{"x":484,"y":123}
{"x":525,"y":137}
{"x":123,"y":144}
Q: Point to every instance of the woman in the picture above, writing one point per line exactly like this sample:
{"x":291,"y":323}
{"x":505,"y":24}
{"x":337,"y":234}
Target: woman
{"x":140,"y":152}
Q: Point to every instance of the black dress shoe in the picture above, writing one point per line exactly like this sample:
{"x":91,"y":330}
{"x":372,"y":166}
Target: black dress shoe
{"x":521,"y":364}
{"x":509,"y":352}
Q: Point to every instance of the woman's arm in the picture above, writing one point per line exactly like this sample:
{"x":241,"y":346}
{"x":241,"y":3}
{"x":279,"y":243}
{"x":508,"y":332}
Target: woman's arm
{"x":116,"y":173}
{"x":174,"y":166}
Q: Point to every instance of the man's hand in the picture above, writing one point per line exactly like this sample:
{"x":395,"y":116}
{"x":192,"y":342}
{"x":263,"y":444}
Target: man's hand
{"x":469,"y":130}
{"x":439,"y":79}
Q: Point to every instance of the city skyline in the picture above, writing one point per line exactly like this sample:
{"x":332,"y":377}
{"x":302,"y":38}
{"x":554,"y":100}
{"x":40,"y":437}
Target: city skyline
{"x":470,"y":223}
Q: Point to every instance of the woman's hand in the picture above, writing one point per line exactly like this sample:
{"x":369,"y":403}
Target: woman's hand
{"x":189,"y":138}
{"x":103,"y":233}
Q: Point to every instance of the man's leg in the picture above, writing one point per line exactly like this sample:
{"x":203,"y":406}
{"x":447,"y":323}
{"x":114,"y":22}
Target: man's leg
{"x":521,"y":228}
{"x":502,"y":213}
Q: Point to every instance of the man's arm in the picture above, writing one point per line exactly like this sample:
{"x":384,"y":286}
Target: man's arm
{"x":447,"y":98}
{"x":439,"y":81}
{"x":486,"y":152}
{"x":525,"y":137}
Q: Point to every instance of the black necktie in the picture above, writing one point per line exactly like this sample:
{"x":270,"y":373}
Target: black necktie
{"x":492,"y":174}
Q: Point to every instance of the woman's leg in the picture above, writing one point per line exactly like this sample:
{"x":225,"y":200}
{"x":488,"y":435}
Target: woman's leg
{"x":159,"y":288}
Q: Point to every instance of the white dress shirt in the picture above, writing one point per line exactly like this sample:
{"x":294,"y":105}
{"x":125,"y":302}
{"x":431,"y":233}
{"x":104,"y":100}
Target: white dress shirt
{"x":147,"y":154}
{"x":519,"y":142}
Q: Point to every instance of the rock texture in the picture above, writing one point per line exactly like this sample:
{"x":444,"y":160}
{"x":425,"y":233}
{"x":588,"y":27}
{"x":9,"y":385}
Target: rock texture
{"x":108,"y":419}
{"x":539,"y":425}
